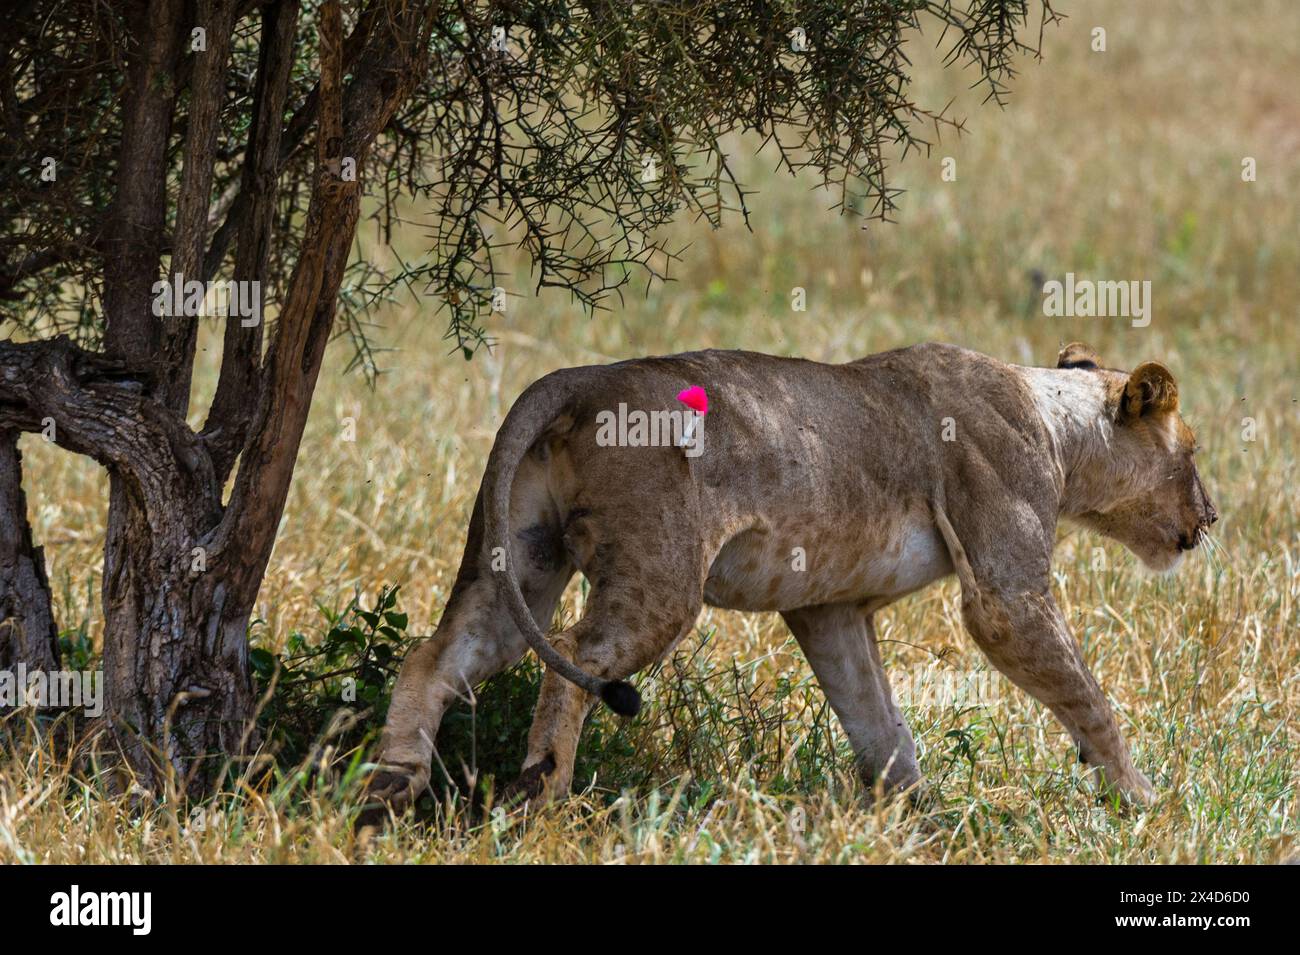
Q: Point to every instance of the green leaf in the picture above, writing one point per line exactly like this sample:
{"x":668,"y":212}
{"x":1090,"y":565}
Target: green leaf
{"x":263,"y":661}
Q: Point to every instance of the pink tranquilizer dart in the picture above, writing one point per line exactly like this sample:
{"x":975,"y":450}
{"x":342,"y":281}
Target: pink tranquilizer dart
{"x":695,"y":399}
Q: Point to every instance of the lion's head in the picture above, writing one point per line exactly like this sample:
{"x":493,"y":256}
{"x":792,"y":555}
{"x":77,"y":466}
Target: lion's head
{"x":1156,"y":504}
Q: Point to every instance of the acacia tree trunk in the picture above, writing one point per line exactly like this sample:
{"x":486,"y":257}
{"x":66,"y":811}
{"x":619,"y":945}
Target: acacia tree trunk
{"x":102,"y":408}
{"x":27,"y":632}
{"x":182,"y":570}
{"x":178,"y":687}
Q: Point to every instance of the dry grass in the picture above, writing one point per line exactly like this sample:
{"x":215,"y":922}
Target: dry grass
{"x":1121,"y":165}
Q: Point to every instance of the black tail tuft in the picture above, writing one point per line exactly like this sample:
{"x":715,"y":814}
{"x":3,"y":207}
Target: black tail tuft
{"x":621,"y":697}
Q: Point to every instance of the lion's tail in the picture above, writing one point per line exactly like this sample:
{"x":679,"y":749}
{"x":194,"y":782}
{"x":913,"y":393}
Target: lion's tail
{"x":531,"y":415}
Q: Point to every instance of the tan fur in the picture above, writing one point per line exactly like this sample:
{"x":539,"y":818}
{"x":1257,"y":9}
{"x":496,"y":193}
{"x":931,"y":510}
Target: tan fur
{"x":844,"y":464}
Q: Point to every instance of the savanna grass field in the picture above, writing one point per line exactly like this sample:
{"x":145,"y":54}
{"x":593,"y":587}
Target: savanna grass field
{"x":1125,"y":164}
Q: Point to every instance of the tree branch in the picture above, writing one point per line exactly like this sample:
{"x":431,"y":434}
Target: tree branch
{"x":27,"y":631}
{"x":134,"y":232}
{"x":291,"y":137}
{"x":241,"y":350}
{"x":207,"y":95}
{"x":101,"y":406}
{"x":387,"y":70}
{"x":34,"y":263}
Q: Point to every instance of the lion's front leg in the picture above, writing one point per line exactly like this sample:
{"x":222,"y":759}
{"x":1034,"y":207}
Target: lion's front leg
{"x":1007,"y":606}
{"x":1025,"y":636}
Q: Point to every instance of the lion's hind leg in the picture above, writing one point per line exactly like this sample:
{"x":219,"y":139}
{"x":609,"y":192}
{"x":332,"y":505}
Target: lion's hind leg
{"x":647,"y":574}
{"x":475,"y":639}
{"x":840,"y":644}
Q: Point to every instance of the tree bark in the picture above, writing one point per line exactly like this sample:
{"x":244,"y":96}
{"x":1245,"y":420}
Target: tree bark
{"x":178,"y":634}
{"x":162,"y":613}
{"x":182,"y":571}
{"x":27,"y":632}
{"x":231,"y":411}
{"x":134,"y":235}
{"x":189,"y":238}
{"x":179,"y":693}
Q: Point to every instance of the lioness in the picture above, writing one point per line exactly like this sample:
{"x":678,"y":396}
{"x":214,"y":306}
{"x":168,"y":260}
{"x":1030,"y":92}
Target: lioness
{"x":822,"y":492}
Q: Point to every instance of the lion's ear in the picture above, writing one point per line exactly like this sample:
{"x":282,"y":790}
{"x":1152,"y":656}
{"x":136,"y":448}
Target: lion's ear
{"x":1151,"y":389}
{"x":1077,"y":355}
